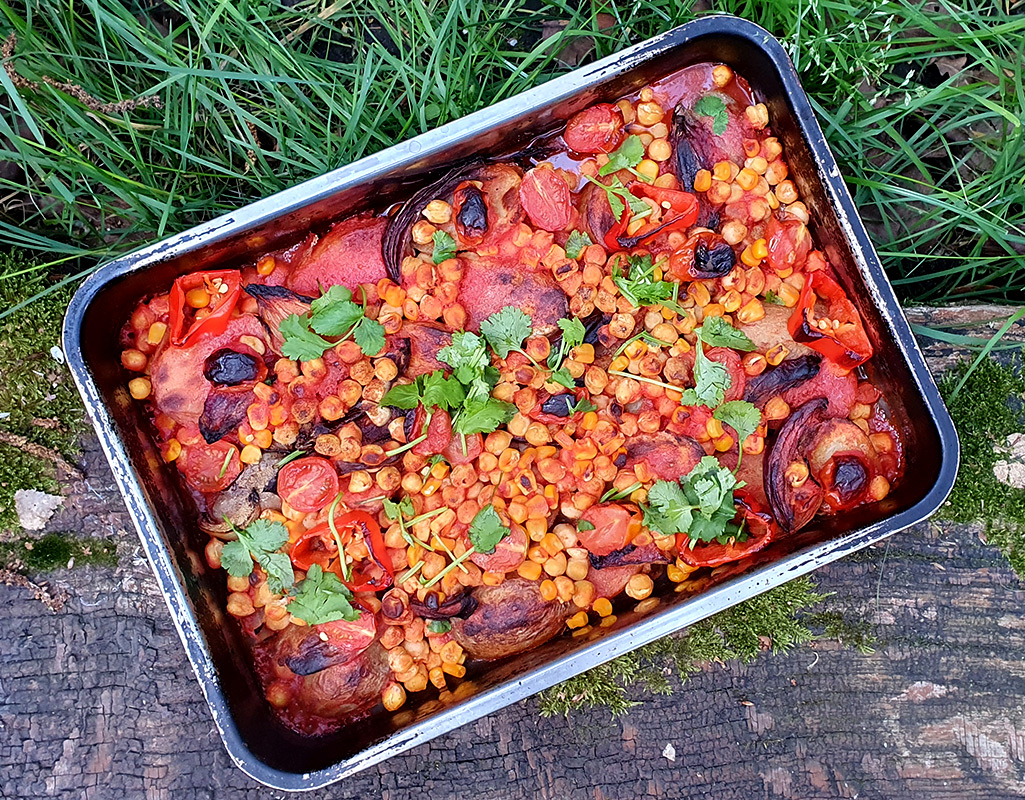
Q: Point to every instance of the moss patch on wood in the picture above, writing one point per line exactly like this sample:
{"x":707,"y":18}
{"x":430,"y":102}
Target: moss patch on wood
{"x":57,"y":551}
{"x":989,"y":408}
{"x":38,"y":399}
{"x":771,"y":621}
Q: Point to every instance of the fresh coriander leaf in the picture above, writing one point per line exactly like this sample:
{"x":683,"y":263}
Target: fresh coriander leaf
{"x":278,"y":567}
{"x":439,"y":626}
{"x":331,"y":315}
{"x":773,"y":299}
{"x":334,"y":294}
{"x":619,"y":197}
{"x":483,"y":417}
{"x":740,"y":415}
{"x":583,"y":406}
{"x":573,"y":331}
{"x":487,"y":530}
{"x":584,"y":525}
{"x":576,"y":244}
{"x":701,"y":505}
{"x":235,"y":558}
{"x":668,"y":511}
{"x":708,"y":529}
{"x":405,"y":396}
{"x":714,"y":107}
{"x":563,"y":378}
{"x":444,"y":247}
{"x":369,"y":335}
{"x":321,"y":598}
{"x":717,"y":332}
{"x":265,"y":535}
{"x":709,"y":485}
{"x":629,"y":154}
{"x":442,"y":392}
{"x":711,"y":380}
{"x":300,"y":343}
{"x":391,"y":509}
{"x":506,"y":330}
{"x":467,"y":355}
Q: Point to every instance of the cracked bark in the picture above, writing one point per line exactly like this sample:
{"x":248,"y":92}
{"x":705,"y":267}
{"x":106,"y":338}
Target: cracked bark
{"x":99,"y":701}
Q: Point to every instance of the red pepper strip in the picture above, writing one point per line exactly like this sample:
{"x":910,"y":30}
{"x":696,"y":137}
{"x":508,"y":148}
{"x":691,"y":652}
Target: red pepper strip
{"x":221,"y":304}
{"x":761,"y":530}
{"x":843,"y":340}
{"x":317,"y":546}
{"x":682,"y":212}
{"x":611,"y":239}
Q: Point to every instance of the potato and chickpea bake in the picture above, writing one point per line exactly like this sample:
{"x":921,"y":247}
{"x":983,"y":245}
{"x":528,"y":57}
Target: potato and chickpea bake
{"x":543,"y":389}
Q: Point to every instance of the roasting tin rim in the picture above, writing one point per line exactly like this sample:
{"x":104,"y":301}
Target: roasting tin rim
{"x":614,"y":644}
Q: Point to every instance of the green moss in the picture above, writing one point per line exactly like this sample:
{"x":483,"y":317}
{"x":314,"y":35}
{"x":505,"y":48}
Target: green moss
{"x":735,"y":634}
{"x":56,"y":550}
{"x":38,"y":399}
{"x":852,"y":633}
{"x":986,"y":411}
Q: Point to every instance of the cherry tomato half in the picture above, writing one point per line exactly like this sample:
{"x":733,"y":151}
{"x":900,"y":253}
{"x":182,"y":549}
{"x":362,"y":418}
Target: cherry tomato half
{"x":350,"y":638}
{"x":614,"y":527}
{"x":210,"y":467}
{"x":508,"y":554}
{"x":308,"y":484}
{"x":597,"y":129}
{"x":545,"y":197}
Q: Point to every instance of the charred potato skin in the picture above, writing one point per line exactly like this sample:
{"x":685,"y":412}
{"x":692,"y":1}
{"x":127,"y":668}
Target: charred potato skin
{"x":510,"y":618}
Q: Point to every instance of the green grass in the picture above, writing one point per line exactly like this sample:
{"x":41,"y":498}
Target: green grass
{"x":250,"y":104}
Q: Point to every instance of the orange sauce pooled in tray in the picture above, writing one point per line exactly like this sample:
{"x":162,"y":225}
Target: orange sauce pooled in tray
{"x":539,"y":392}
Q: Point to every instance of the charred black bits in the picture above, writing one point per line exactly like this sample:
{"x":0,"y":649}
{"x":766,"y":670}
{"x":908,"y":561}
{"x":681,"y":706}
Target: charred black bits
{"x":850,"y":478}
{"x":472,"y":219}
{"x":714,"y":262}
{"x":558,"y":405}
{"x":230,"y":368}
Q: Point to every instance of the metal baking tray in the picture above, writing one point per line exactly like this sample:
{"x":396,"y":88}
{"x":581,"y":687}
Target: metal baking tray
{"x":164,"y":516}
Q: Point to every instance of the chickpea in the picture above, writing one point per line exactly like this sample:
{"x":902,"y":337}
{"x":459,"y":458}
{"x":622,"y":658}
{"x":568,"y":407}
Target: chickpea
{"x":423,"y":232}
{"x":133,"y":359}
{"x":438,"y":212}
{"x":639,"y":586}
{"x":140,"y":388}
{"x":660,"y":150}
{"x":649,"y":113}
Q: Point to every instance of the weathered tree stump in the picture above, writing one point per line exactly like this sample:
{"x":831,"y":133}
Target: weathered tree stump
{"x":99,"y":700}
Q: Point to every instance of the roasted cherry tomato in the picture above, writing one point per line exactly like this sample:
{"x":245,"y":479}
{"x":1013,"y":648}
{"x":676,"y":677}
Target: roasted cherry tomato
{"x":350,"y":638}
{"x":598,"y":129}
{"x":454,"y":453}
{"x":439,"y":431}
{"x":730,"y":359}
{"x":210,"y":467}
{"x":508,"y":554}
{"x":836,"y":331}
{"x":308,"y":484}
{"x":761,"y":530}
{"x":788,"y":242}
{"x":224,"y":288}
{"x":614,"y":528}
{"x":546,"y":198}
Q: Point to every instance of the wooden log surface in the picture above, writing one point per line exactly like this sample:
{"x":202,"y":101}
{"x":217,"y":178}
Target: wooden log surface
{"x":99,"y":700}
